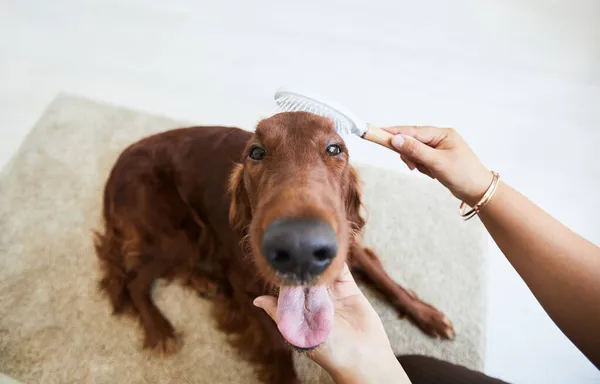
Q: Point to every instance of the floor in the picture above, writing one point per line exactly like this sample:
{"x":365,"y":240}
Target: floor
{"x":520,"y":79}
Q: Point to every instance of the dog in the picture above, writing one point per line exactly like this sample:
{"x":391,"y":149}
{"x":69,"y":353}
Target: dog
{"x":235,"y":215}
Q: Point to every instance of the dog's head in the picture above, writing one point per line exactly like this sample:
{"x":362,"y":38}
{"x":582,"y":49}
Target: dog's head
{"x":297,"y":200}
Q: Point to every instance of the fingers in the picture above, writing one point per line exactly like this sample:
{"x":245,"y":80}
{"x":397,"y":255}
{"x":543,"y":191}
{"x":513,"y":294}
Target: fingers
{"x":431,"y":136}
{"x":345,"y":280}
{"x":345,"y":275}
{"x":412,"y":166}
{"x":409,"y":163}
{"x":344,"y":285}
{"x":414,"y":150}
{"x":424,"y":170}
{"x":268,"y":304}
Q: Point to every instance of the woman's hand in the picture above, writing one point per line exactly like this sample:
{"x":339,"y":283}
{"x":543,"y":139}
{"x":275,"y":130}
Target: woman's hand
{"x":358,"y":349}
{"x":442,"y":154}
{"x":569,"y":281}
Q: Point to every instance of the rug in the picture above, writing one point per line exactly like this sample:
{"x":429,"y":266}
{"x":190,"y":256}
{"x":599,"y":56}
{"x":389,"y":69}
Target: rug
{"x":56,"y":328}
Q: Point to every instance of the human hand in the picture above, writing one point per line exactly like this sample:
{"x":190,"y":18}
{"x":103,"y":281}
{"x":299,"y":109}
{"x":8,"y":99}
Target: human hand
{"x":357,"y":349}
{"x":441,"y":153}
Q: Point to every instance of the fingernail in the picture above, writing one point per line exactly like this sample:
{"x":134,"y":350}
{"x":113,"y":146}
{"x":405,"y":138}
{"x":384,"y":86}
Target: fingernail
{"x":397,"y":141}
{"x":256,"y":302}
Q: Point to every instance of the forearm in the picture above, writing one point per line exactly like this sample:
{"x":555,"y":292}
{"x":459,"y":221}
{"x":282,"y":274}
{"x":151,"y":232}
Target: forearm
{"x":380,"y":370}
{"x":561,"y":268}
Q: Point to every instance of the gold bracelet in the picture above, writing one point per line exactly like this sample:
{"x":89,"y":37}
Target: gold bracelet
{"x":487,"y":196}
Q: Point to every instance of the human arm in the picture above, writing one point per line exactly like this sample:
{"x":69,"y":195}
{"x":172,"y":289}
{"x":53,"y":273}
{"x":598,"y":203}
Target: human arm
{"x":560,"y":268}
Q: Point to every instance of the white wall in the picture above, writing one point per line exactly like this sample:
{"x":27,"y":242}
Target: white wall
{"x":519,"y":79}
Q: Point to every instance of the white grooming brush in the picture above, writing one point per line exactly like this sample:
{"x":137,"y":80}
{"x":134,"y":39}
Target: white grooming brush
{"x":289,"y":100}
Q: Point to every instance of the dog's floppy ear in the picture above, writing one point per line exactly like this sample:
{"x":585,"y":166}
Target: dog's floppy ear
{"x":239,"y":206}
{"x":354,"y":203}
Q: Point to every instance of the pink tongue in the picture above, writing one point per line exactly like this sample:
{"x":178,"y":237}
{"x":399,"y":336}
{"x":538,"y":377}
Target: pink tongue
{"x":304,"y":315}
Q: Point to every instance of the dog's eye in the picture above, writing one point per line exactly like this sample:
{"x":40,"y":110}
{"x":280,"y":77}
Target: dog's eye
{"x":333,"y":150}
{"x":256,"y":153}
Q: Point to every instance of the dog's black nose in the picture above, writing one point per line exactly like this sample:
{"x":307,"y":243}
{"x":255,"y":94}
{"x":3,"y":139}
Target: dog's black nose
{"x":299,"y":248}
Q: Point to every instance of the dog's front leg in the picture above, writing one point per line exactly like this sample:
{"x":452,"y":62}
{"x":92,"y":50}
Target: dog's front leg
{"x":425,"y":316}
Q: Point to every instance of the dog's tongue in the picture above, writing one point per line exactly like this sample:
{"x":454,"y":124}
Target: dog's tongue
{"x":304,"y":315}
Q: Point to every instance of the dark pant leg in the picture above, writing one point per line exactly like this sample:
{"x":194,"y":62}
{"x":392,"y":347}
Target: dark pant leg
{"x":429,"y":370}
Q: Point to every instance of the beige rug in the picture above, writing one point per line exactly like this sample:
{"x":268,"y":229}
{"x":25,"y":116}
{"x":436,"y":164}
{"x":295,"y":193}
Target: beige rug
{"x":56,"y":328}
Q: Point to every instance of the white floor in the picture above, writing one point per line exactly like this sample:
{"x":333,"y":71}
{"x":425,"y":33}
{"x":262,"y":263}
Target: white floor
{"x":519,"y":78}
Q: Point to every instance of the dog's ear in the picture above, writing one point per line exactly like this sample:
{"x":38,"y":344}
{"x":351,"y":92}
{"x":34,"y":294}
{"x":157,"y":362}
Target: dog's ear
{"x":239,"y":206}
{"x":354,"y":204}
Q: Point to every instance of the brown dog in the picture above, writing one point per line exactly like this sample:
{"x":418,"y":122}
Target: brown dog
{"x":237,"y":215}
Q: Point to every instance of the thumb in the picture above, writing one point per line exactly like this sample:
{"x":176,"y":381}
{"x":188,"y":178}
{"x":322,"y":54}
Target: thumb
{"x":268,"y":304}
{"x":414,"y":149}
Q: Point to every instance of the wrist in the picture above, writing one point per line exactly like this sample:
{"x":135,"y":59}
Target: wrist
{"x":479,"y":185}
{"x":375,"y":368}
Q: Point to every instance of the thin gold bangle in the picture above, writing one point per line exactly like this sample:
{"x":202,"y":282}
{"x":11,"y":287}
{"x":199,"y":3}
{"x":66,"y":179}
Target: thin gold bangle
{"x":487,"y":196}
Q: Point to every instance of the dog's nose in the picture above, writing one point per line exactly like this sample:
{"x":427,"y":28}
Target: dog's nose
{"x":299,"y":248}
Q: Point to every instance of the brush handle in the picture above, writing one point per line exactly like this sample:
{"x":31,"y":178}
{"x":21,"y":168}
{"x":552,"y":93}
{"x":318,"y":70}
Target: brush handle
{"x":379,"y":136}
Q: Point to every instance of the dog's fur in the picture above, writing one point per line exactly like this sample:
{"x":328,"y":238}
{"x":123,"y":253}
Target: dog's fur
{"x":189,"y":204}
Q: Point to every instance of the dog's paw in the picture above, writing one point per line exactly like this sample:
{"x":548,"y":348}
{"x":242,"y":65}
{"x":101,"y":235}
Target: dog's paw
{"x":167,"y":346}
{"x":432,"y":322}
{"x":162,"y":344}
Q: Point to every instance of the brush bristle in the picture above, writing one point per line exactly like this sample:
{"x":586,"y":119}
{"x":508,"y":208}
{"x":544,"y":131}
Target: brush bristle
{"x":295,"y":103}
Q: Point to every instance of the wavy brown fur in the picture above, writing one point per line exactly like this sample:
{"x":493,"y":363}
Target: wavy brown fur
{"x":180,"y":205}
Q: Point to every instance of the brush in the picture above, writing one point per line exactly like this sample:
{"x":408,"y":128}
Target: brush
{"x":291,"y":100}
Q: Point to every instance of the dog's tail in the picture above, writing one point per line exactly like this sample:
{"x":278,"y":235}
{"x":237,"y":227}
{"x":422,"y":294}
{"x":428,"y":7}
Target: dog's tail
{"x":109,"y":249}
